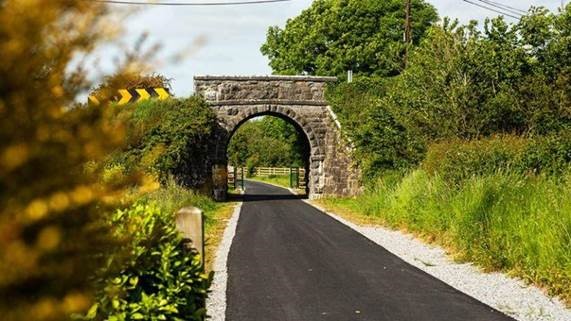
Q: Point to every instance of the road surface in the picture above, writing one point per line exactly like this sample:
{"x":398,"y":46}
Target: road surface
{"x":290,"y":262}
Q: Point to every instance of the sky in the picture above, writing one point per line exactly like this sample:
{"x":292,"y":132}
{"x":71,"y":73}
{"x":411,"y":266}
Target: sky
{"x":225,"y":40}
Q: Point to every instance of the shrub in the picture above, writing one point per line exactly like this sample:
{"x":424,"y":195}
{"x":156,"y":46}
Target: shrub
{"x":158,"y":278}
{"x":381,"y":142}
{"x":169,"y":139}
{"x":456,"y":160}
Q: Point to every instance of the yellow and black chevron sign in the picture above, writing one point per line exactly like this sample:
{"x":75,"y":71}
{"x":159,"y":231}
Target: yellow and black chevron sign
{"x":132,"y":95}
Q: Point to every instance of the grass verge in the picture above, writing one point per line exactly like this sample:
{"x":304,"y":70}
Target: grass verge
{"x":502,"y":222}
{"x":279,"y":180}
{"x":216,"y":215}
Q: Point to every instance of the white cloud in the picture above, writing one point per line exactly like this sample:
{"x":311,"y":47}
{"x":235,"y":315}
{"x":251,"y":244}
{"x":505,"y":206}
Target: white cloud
{"x":234,"y":34}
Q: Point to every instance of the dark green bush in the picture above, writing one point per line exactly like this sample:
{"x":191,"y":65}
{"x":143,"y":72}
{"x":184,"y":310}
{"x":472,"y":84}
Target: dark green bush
{"x":169,"y":138}
{"x":153,"y":277}
{"x":456,"y":160}
{"x":381,"y":142}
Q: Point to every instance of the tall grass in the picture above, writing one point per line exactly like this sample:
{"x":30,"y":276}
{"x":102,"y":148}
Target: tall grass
{"x":171,"y":198}
{"x":501,"y":221}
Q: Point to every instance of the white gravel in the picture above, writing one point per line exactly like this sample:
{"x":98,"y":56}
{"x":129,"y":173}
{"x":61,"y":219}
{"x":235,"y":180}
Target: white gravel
{"x":216,"y":302}
{"x":509,"y":295}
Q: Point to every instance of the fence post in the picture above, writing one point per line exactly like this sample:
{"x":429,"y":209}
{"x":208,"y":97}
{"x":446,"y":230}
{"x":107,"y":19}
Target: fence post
{"x":235,"y":177}
{"x":242,"y":168}
{"x":190,"y":223}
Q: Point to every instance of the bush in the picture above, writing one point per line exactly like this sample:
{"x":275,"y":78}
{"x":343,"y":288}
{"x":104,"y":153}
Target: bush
{"x":169,"y":138}
{"x":457,"y":160}
{"x":381,"y":142}
{"x":158,"y":278}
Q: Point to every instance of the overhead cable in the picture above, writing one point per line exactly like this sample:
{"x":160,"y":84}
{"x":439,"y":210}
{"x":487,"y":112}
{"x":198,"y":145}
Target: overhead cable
{"x":493,"y":9}
{"x":231,"y":3}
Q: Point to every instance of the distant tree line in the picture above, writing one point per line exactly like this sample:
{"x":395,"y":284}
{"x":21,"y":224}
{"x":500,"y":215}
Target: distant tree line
{"x":268,"y":141}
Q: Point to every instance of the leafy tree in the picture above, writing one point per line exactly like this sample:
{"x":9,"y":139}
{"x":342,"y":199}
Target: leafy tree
{"x":269,"y":141}
{"x":462,"y":82}
{"x":333,"y":36}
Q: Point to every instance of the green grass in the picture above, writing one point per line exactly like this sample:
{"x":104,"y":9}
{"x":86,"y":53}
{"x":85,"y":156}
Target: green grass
{"x":171,"y":198}
{"x":280,"y":180}
{"x":507,"y":222}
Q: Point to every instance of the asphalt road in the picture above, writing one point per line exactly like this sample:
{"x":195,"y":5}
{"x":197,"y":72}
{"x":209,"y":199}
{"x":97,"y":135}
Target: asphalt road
{"x":289,"y":261}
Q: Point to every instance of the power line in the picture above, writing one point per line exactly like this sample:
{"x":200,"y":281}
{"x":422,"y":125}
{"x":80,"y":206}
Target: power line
{"x":504,"y":7}
{"x":492,"y":9}
{"x":233,"y":3}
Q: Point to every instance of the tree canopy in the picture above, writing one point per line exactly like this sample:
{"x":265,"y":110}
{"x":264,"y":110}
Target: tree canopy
{"x":462,"y":82}
{"x":269,"y":141}
{"x":333,"y":36}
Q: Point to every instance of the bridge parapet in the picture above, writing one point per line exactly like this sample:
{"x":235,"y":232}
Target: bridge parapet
{"x":258,"y":90}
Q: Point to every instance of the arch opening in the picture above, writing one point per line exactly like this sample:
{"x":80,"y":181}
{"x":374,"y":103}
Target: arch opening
{"x":270,"y":140}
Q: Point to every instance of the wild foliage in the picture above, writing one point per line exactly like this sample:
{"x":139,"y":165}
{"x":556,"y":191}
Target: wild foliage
{"x":153,"y":276}
{"x":50,"y":208}
{"x":458,"y":160}
{"x":269,"y":141}
{"x":167,"y":139}
{"x":334,"y":36}
{"x":466,"y":83}
{"x":381,"y":142}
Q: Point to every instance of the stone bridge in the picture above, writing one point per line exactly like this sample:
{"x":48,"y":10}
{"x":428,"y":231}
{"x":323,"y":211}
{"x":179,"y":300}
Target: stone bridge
{"x":300,"y":100}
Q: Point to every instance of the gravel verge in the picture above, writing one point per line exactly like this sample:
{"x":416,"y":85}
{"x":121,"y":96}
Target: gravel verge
{"x":216,"y":301}
{"x":509,"y":295}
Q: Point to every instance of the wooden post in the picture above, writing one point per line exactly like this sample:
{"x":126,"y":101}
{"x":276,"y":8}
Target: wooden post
{"x":242,"y":178}
{"x":190,"y":223}
{"x":407,"y":28}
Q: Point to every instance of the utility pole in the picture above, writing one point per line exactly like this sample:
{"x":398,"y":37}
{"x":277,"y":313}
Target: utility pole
{"x":407,"y":28}
{"x":407,"y":22}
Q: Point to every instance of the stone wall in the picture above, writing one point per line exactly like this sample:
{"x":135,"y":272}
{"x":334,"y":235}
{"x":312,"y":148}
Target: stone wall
{"x":299,"y":100}
{"x":243,"y":90}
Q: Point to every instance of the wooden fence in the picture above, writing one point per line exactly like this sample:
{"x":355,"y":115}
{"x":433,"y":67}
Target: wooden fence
{"x":237,"y":175}
{"x":283,"y":171}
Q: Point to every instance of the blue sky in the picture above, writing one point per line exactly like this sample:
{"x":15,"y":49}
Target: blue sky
{"x":226,"y":40}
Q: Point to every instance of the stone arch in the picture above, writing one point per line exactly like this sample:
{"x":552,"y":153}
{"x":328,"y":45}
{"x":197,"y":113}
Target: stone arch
{"x":298,"y":99}
{"x":314,"y":144}
{"x":283,"y":112}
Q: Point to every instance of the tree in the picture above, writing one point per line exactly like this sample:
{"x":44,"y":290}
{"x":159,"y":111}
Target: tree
{"x":269,"y":141}
{"x":50,"y":204}
{"x":333,"y":36}
{"x":467,"y":83}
